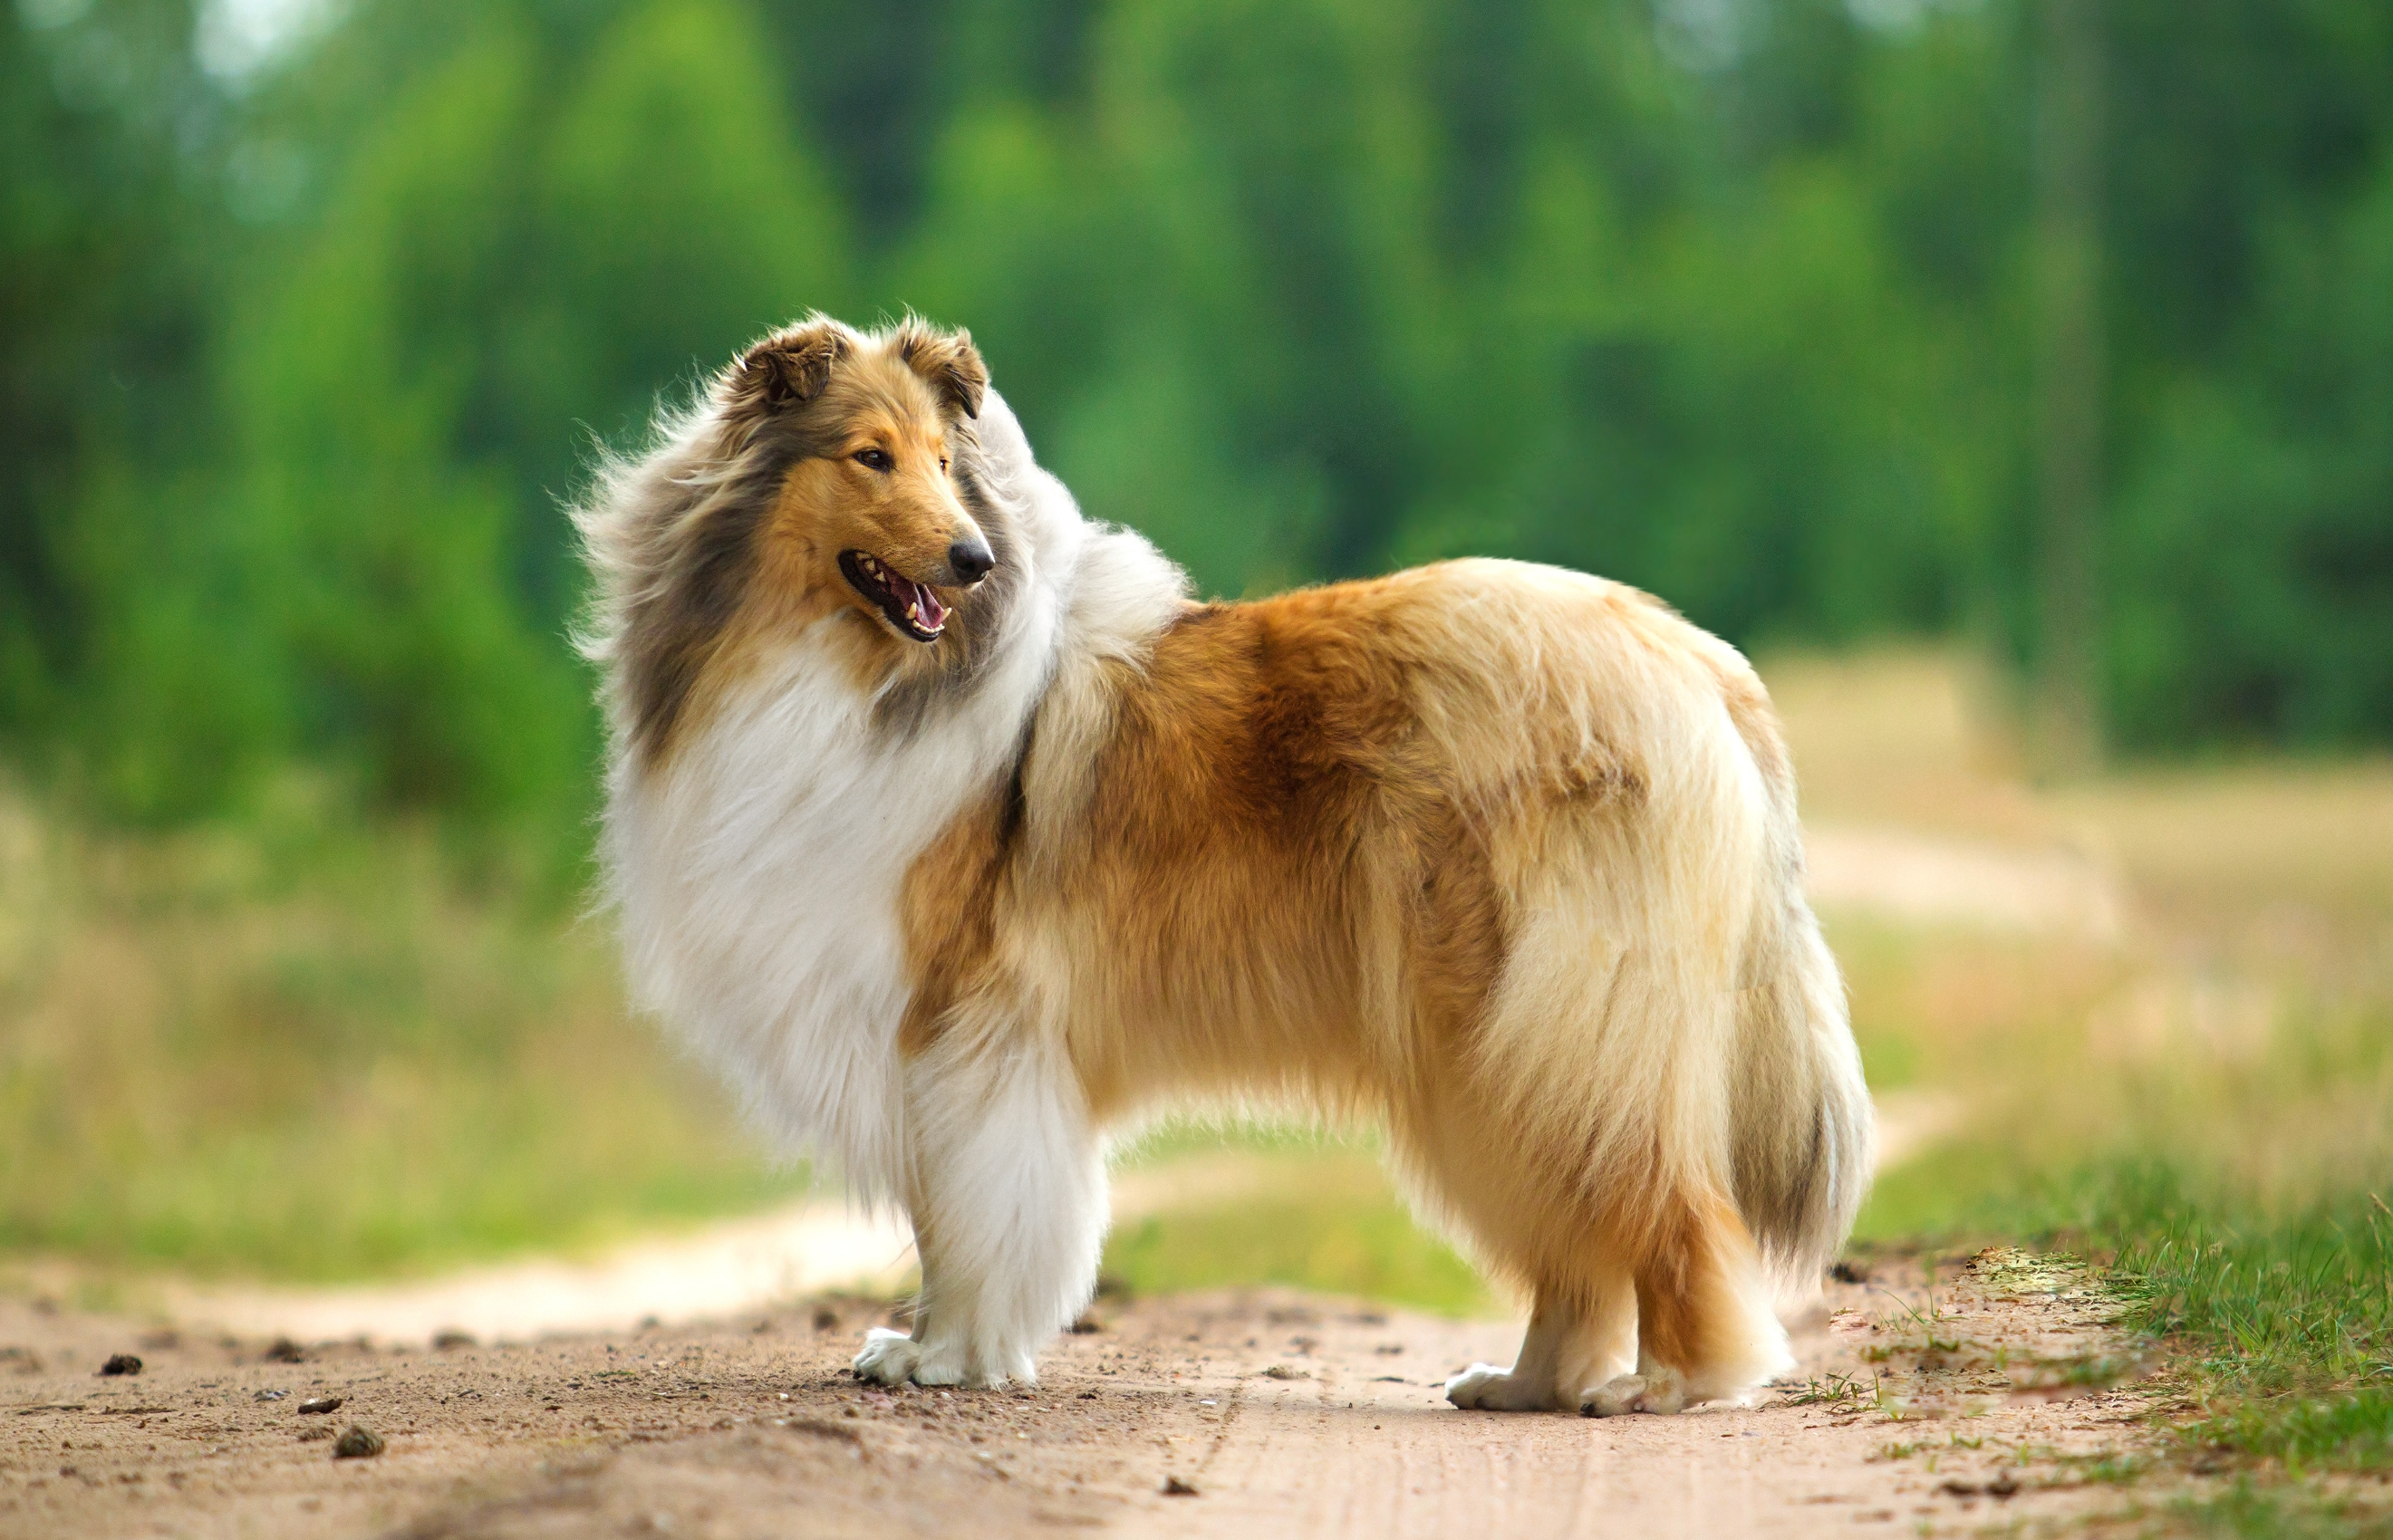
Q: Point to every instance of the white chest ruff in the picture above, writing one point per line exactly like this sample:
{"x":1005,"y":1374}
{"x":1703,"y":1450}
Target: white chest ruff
{"x":759,"y":879}
{"x":759,"y":883}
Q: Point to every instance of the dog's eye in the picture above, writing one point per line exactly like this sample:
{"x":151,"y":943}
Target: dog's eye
{"x":943,"y":467}
{"x":875,"y":459}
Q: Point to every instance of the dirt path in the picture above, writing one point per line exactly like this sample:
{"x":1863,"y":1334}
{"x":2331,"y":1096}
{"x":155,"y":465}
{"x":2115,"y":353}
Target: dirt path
{"x":1910,"y":878}
{"x":1288,"y":1414}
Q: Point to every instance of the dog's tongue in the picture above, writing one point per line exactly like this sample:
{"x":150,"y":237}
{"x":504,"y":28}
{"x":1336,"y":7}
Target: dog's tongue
{"x":928,"y":611}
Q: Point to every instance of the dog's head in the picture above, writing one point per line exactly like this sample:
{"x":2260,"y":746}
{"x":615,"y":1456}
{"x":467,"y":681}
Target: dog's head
{"x":829,"y":479}
{"x":869,"y":511}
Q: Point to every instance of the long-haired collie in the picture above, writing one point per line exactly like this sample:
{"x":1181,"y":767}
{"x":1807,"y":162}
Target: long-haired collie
{"x":951,"y":831}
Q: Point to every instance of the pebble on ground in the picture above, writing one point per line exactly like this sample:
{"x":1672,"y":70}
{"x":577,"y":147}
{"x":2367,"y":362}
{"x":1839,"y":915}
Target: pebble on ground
{"x":358,"y":1443}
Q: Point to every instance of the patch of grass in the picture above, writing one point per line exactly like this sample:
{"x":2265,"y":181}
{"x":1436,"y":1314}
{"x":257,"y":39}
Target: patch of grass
{"x":2285,"y":1324}
{"x":2251,"y":1511}
{"x":1849,"y":1392}
{"x":2275,"y":1324}
{"x":2353,"y":1431}
{"x":2276,"y":1302}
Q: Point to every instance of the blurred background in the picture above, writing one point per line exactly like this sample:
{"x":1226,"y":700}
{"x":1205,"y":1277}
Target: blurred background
{"x":2013,"y":377}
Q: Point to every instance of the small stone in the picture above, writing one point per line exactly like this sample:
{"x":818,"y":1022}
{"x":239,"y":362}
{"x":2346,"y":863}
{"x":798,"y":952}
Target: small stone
{"x":1087,"y":1326}
{"x":2002,"y":1485}
{"x":826,"y":1318}
{"x":1174,"y":1487}
{"x":1281,"y":1371}
{"x":270,"y":1395}
{"x":320,"y":1405}
{"x":452,"y":1338}
{"x":357,"y":1443}
{"x":285,"y":1350}
{"x":120,"y":1364}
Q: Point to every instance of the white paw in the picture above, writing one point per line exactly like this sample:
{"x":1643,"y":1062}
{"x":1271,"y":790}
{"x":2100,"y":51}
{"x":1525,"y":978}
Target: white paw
{"x":1663,"y":1391}
{"x":888,"y":1356}
{"x":1489,"y":1388}
{"x":937,"y":1364}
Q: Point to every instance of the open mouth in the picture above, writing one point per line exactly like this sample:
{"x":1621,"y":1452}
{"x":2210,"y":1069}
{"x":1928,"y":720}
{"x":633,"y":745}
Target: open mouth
{"x":911,"y":606}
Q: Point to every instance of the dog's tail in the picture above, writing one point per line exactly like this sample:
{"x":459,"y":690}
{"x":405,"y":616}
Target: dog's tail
{"x":1805,"y":1133}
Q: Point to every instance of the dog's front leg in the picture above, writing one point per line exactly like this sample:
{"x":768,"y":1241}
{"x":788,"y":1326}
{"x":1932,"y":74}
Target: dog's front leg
{"x":1007,"y":1192}
{"x":1576,"y":1335}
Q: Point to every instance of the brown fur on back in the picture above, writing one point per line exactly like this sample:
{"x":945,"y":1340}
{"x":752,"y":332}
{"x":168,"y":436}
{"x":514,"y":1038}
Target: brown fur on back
{"x":1300,"y":888}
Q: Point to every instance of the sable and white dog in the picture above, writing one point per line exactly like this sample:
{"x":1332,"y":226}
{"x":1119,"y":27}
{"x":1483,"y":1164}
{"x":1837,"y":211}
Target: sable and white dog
{"x":956,"y":836}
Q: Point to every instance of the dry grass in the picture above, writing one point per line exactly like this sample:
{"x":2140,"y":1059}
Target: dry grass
{"x":307,"y":1050}
{"x":2240,"y":1027}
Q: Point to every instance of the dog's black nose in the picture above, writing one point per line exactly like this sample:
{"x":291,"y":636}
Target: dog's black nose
{"x":971,"y":559}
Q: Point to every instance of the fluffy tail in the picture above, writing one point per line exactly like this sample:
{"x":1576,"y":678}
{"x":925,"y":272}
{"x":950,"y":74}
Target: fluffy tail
{"x":1805,"y":1133}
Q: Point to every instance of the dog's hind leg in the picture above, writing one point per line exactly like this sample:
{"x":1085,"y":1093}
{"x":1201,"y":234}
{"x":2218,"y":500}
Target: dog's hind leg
{"x":1705,"y":1330}
{"x":1007,"y":1192}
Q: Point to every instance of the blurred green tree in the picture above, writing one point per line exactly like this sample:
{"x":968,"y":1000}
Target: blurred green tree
{"x":1734,"y":300}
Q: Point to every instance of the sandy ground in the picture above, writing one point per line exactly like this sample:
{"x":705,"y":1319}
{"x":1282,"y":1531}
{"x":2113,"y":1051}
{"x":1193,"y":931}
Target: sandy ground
{"x":1918,"y":1408}
{"x":1900,"y":875}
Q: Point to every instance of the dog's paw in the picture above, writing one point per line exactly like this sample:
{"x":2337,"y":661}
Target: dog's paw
{"x":1663,"y":1391}
{"x":1485,"y":1388}
{"x":889,"y":1357}
{"x":938,"y":1363}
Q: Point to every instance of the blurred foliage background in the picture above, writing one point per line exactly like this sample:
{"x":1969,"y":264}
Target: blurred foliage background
{"x":313,"y":312}
{"x":1831,"y":321}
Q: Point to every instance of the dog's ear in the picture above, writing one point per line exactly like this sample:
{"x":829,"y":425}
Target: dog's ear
{"x":949,"y":361}
{"x":792,"y":366}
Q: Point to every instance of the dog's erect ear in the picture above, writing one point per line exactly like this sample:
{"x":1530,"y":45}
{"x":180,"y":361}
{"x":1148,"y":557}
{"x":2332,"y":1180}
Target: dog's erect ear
{"x":948,"y":361}
{"x":792,"y":366}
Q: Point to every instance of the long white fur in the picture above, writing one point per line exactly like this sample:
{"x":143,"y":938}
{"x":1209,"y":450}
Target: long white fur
{"x":757,"y":880}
